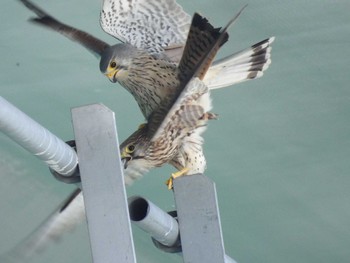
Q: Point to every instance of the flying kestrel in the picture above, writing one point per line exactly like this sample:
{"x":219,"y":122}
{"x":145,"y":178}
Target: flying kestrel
{"x":153,"y":35}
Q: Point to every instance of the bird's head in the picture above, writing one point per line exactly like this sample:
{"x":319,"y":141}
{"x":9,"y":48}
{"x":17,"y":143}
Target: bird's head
{"x":134,"y":147}
{"x":133,"y":153}
{"x":115,"y":61}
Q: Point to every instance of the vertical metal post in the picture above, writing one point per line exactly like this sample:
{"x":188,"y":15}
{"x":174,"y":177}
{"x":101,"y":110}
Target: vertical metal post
{"x":103,"y":185}
{"x":199,"y":219}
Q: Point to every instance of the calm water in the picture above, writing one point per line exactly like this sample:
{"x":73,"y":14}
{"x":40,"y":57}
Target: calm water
{"x":279,"y":152}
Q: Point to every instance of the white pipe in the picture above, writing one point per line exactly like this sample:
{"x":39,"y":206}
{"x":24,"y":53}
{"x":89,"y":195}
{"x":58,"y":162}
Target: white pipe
{"x":36,"y":139}
{"x":159,"y":224}
{"x":153,"y":220}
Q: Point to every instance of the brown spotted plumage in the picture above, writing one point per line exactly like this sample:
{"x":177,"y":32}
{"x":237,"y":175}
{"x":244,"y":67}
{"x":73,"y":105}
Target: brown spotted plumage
{"x":173,"y":131}
{"x":153,"y":35}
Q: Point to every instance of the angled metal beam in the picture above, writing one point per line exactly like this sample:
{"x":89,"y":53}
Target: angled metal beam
{"x":199,"y":219}
{"x":103,"y":185}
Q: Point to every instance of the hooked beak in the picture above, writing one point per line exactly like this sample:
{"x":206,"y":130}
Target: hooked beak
{"x":125,"y":158}
{"x":125,"y":162}
{"x":112,"y":75}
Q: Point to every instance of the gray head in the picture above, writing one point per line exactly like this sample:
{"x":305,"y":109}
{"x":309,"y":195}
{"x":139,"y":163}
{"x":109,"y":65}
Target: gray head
{"x":115,"y":61}
{"x":134,"y":155}
{"x":135,"y":146}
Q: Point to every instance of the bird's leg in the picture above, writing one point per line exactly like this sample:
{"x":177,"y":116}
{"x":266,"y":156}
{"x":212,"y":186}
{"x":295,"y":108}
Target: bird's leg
{"x":169,"y":182}
{"x":180,"y":173}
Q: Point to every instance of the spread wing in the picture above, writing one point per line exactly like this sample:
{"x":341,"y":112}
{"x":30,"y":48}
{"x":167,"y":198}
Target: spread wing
{"x":93,"y":44}
{"x":185,"y":105}
{"x":186,"y":113}
{"x":155,"y":25}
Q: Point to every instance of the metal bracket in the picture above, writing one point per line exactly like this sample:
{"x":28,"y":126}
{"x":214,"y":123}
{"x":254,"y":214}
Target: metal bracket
{"x":73,"y":178}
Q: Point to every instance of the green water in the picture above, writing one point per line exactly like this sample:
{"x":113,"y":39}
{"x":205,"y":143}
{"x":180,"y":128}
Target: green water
{"x":279,"y":153}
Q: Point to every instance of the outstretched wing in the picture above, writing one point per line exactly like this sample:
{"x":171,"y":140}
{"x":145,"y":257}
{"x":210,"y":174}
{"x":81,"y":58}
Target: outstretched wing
{"x":201,"y":47}
{"x":186,"y":112}
{"x":155,"y":25}
{"x":90,"y":42}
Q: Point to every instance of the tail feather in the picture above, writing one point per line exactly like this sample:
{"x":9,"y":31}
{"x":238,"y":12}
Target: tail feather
{"x":247,"y":64}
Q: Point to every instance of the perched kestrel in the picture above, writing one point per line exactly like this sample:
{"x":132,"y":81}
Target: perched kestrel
{"x":173,"y":131}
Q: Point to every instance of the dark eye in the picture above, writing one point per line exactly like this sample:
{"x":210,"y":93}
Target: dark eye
{"x":113,"y":64}
{"x":130,"y":148}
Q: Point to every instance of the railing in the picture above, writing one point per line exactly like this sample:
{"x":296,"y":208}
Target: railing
{"x":193,"y":231}
{"x":37,"y":140}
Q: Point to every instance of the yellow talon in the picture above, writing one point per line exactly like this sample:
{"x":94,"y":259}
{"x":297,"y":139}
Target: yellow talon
{"x":169,"y":182}
{"x":179,"y":173}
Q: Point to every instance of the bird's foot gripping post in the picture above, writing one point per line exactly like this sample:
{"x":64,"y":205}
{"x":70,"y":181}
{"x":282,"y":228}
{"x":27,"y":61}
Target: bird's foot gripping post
{"x":169,"y":182}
